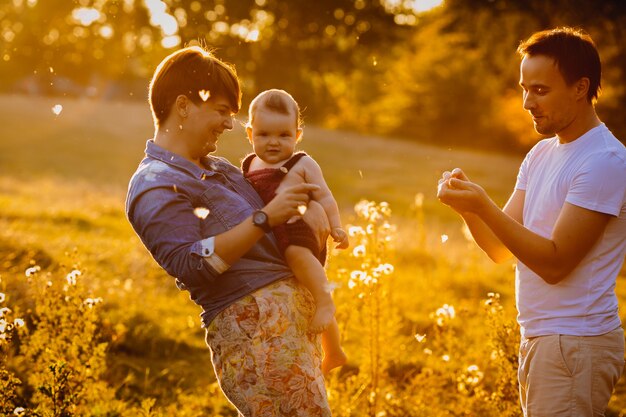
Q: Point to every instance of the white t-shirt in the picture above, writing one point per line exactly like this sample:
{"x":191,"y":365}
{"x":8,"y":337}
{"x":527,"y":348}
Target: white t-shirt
{"x":589,"y":172}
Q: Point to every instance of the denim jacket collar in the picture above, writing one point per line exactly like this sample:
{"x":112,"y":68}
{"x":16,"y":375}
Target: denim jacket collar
{"x":156,"y":152}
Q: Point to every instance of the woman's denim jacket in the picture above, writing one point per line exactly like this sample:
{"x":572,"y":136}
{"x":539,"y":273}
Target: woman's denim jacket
{"x":175,"y":206}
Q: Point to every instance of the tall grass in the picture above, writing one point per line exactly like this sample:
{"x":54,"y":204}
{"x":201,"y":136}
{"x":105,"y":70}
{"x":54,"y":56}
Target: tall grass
{"x":90,"y":325}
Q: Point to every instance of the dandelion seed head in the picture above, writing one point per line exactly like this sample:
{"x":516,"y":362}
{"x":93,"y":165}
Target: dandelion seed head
{"x":356,"y":274}
{"x":201,"y":212}
{"x":359,"y":251}
{"x":355,"y":231}
{"x":204,"y":94}
{"x":71,"y":277}
{"x":91,"y":302}
{"x":32,"y":270}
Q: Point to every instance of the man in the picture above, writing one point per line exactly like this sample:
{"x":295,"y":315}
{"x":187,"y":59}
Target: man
{"x":566,"y":224}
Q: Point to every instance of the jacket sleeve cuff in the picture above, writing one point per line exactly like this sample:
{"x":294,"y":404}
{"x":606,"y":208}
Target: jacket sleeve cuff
{"x":205,"y":248}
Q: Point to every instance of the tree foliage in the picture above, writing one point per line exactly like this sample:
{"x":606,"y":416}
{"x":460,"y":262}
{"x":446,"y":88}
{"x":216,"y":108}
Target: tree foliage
{"x":448,"y":75}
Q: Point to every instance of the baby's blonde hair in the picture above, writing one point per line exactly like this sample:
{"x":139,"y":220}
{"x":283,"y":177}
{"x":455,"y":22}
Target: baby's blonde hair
{"x":275,"y":100}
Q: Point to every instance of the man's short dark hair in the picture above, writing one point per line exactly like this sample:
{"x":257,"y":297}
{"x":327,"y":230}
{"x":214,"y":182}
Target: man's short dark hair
{"x":574,"y":53}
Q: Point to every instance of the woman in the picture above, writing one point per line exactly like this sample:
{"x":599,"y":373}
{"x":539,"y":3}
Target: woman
{"x":207,"y":227}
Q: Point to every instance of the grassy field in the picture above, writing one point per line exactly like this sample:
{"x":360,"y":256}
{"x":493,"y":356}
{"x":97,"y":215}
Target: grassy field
{"x":63,"y":181}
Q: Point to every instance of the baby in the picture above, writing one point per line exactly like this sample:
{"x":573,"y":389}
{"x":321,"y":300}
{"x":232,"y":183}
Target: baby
{"x":274,"y":129}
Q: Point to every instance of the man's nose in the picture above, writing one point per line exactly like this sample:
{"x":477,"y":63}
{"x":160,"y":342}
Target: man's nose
{"x":528,"y":102}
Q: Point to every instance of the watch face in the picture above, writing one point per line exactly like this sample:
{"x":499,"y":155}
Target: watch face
{"x":260,"y":219}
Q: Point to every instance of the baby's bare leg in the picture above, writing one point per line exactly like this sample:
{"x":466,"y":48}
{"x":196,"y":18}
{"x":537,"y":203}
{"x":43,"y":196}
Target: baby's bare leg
{"x":308,"y":270}
{"x":334,"y":356}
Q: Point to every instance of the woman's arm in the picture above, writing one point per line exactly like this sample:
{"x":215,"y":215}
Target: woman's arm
{"x":170,"y":230}
{"x":234,"y":243}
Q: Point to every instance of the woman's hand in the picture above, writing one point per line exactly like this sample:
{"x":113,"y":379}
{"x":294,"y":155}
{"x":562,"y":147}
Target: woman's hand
{"x":287,"y":201}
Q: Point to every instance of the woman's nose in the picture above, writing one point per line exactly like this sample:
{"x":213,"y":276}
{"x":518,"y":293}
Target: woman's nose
{"x":228,"y":123}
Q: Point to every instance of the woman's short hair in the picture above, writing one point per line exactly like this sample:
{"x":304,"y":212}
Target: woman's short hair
{"x":196,"y":73}
{"x":574,"y":52}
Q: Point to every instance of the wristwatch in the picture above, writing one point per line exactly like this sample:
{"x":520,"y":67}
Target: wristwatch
{"x":260,"y":219}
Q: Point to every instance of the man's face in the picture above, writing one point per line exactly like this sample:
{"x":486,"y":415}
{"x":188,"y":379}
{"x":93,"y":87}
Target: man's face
{"x":547,"y":97}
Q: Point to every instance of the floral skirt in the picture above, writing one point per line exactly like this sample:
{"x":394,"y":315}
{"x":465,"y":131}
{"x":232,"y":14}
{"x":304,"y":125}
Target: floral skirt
{"x":266,"y":361}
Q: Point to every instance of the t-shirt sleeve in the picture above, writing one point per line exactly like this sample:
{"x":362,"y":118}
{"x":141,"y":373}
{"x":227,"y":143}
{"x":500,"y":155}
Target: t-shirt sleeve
{"x":522,"y":174}
{"x":600,"y":184}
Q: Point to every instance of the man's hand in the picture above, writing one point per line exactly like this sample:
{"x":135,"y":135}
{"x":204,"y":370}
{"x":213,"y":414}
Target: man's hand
{"x":457,"y":191}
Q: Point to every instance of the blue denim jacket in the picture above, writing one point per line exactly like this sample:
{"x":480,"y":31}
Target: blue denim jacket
{"x":162,"y":196}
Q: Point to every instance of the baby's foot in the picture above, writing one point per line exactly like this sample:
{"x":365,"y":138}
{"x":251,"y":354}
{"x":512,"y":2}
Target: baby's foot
{"x":333,"y":360}
{"x":323,"y":317}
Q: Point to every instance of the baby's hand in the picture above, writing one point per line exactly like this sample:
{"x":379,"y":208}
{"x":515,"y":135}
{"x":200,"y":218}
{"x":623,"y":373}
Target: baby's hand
{"x":341,"y":237}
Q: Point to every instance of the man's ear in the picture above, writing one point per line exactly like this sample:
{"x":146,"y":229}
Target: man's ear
{"x":582,"y":88}
{"x":299,"y":134}
{"x":181,"y":105}
{"x":249,"y":133}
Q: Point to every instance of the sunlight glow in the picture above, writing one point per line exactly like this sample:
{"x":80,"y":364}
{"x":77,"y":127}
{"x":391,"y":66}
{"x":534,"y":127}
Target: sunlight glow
{"x":404,"y":9}
{"x":420,"y":6}
{"x":106,"y":31}
{"x":171,"y":41}
{"x":161,"y":19}
{"x":252,"y":36}
{"x":57,"y":109}
{"x":85,"y":15}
